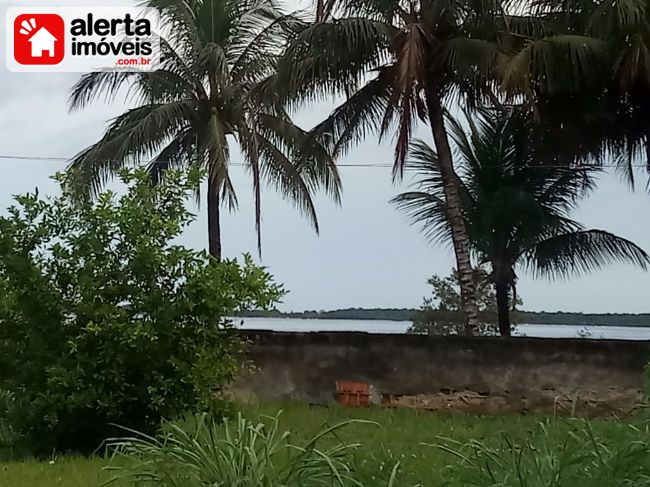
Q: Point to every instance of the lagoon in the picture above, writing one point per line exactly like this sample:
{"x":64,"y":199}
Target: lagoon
{"x":400,"y":327}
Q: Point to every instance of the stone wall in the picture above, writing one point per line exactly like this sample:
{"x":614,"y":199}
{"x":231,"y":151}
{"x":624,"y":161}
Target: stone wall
{"x":456,"y":374}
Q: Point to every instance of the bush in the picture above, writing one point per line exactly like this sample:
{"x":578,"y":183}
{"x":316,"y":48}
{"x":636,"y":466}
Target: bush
{"x":104,"y":320}
{"x":243,"y":453}
{"x":8,"y":437}
{"x":441,"y":314}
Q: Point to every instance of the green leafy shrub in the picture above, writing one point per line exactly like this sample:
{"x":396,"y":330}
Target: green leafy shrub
{"x":573,"y":459}
{"x":103,"y":319}
{"x":242,"y":453}
{"x":441,"y":313}
{"x":8,"y":436}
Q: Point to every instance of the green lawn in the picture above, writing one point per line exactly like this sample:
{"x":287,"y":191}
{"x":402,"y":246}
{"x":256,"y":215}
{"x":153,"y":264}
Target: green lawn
{"x":399,"y":437}
{"x":63,"y":472}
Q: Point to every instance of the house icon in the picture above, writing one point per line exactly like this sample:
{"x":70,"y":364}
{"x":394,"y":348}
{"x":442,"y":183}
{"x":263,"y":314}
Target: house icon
{"x":43,"y":41}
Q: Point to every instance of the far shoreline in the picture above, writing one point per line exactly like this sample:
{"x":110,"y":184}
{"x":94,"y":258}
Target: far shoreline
{"x":641,"y":320}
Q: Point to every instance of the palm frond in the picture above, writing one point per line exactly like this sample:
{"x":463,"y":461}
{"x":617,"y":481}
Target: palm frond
{"x":91,"y":86}
{"x":613,"y":18}
{"x":428,"y":212}
{"x":256,"y":49}
{"x":410,"y":69}
{"x":553,"y":65}
{"x":309,"y":156}
{"x":468,"y":57}
{"x":180,"y":152}
{"x":423,"y":161}
{"x":568,"y":186}
{"x":250,"y":148}
{"x":180,"y":18}
{"x":129,"y":139}
{"x":426,"y":206}
{"x":326,"y":59}
{"x":632,"y":64}
{"x":218,"y":157}
{"x":463,"y":145}
{"x":582,"y":252}
{"x":281,"y":173}
{"x":358,"y":116}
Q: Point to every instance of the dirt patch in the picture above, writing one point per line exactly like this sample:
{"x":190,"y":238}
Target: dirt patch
{"x":589,"y":403}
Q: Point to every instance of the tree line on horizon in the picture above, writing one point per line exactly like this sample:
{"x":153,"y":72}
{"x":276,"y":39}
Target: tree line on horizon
{"x":409,"y":314}
{"x":552,"y":89}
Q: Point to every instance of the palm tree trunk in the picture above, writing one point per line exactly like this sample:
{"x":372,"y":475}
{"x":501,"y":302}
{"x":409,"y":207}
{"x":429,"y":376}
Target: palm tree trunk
{"x":214,"y":219}
{"x":459,"y":234}
{"x":503,"y":307}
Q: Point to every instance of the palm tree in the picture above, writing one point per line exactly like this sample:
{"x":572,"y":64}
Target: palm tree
{"x":517,"y":209}
{"x":584,"y":69}
{"x":208,"y":92}
{"x":398,"y":62}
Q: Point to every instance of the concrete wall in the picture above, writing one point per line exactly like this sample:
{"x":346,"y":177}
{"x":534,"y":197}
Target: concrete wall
{"x":592,"y":377}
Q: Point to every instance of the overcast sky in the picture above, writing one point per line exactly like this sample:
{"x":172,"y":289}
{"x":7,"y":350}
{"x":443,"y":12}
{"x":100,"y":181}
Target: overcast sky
{"x":366,"y":255}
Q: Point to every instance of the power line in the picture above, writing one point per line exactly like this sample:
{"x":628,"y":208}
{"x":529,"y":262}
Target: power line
{"x":358,"y":164}
{"x":65,"y":159}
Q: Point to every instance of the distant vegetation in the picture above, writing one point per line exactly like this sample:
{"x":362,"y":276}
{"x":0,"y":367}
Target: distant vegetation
{"x":441,"y":312}
{"x":405,"y":314}
{"x":390,"y":314}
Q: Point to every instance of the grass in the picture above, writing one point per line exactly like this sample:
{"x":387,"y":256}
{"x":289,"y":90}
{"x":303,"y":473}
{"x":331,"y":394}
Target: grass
{"x":59,"y":472}
{"x":398,"y":437}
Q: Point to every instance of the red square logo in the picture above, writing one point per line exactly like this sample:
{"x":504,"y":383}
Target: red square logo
{"x":39,"y":39}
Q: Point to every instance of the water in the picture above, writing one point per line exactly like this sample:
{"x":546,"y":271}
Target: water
{"x":300,"y":324}
{"x":399,"y":327}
